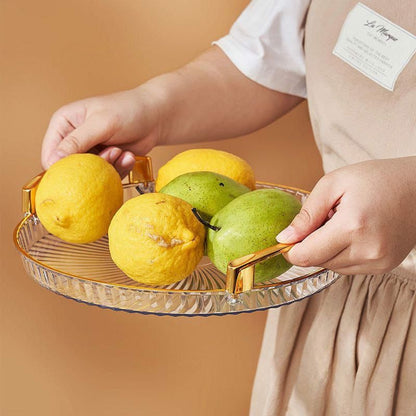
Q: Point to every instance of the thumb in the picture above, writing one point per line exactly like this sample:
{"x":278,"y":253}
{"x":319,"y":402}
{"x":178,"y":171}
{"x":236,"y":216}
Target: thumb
{"x":95,"y":130}
{"x":314,"y":212}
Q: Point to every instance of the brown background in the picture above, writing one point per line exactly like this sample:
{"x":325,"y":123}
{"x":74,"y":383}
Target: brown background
{"x":63,"y":358}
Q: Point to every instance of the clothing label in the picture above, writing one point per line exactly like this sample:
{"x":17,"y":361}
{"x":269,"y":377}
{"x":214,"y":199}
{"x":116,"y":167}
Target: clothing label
{"x":374,"y":46}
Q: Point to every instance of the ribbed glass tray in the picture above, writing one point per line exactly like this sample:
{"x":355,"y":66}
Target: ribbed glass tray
{"x":86,"y":273}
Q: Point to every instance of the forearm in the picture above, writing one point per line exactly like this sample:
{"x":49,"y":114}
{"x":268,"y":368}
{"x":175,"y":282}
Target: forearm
{"x":210,"y":99}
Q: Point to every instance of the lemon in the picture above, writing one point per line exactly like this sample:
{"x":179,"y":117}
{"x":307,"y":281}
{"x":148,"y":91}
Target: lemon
{"x":155,"y":239}
{"x":217,"y":161}
{"x":78,"y":196}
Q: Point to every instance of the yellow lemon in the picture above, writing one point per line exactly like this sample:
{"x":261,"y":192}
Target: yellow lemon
{"x":217,"y":161}
{"x":156,"y":239}
{"x":78,"y":196}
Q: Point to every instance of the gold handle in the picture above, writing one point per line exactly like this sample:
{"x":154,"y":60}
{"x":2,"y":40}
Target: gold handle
{"x":142,"y":171}
{"x":29,"y":193}
{"x":240,"y":272}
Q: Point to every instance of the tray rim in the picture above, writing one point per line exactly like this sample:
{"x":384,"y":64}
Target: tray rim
{"x":199,"y":315}
{"x":32,"y":216}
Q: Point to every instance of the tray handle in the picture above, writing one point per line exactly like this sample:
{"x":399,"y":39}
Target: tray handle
{"x":240,"y":272}
{"x":29,"y":193}
{"x":142,"y":171}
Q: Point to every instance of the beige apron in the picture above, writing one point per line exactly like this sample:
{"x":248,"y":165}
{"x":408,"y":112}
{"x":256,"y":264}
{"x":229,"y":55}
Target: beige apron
{"x":350,"y":350}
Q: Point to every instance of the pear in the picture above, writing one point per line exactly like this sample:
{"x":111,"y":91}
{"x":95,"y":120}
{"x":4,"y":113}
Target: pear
{"x":208,"y":192}
{"x":250,"y":223}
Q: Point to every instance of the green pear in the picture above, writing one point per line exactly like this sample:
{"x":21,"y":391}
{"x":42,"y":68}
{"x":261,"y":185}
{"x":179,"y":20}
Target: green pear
{"x":250,"y":223}
{"x":208,"y":192}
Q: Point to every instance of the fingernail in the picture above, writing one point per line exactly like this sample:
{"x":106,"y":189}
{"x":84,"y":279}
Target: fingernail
{"x":286,"y":236}
{"x":127,"y":161}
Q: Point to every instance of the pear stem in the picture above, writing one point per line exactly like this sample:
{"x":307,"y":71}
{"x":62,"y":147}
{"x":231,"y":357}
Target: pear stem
{"x":139,"y":190}
{"x":206,"y":223}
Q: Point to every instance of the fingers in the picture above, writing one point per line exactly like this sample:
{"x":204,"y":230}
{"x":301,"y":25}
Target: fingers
{"x":58,"y":128}
{"x":320,"y":247}
{"x":62,"y":123}
{"x":95,"y":130}
{"x":318,"y":207}
{"x":62,"y":139}
{"x":110,"y":154}
{"x":355,"y":259}
{"x":335,"y":247}
{"x":123,"y":161}
{"x":345,"y":263}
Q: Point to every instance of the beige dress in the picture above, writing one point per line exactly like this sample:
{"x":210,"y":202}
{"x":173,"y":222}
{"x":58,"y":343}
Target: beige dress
{"x":350,"y":350}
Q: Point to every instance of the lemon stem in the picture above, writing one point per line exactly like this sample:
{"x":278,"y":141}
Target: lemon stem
{"x":206,"y":223}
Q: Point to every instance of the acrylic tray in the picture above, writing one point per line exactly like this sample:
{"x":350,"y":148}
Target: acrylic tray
{"x":86,"y":273}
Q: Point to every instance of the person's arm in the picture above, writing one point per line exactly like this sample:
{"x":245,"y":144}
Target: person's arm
{"x":210,"y":99}
{"x":207,"y":99}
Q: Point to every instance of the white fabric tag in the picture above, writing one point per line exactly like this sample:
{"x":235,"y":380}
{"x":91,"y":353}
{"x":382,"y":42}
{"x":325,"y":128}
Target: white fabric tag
{"x":374,"y":46}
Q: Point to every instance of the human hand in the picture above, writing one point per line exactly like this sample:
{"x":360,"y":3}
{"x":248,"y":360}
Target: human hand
{"x":359,"y":219}
{"x":114,"y":126}
{"x":197,"y":102}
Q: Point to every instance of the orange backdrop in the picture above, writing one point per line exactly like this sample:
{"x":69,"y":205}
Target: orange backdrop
{"x":63,"y":358}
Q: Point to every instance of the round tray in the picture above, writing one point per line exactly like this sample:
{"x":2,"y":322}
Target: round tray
{"x":86,"y":273}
